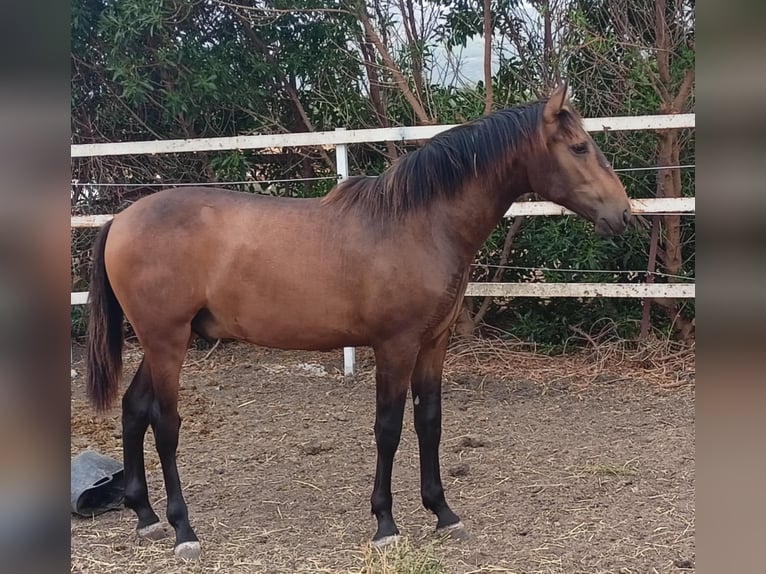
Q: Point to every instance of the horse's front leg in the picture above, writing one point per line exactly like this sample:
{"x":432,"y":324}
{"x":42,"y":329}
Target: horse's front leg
{"x":393,"y":368}
{"x":427,"y":401}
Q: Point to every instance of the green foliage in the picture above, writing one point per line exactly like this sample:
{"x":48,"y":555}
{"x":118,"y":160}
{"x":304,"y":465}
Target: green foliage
{"x":78,"y":321}
{"x":564,"y":249}
{"x":232,"y":166}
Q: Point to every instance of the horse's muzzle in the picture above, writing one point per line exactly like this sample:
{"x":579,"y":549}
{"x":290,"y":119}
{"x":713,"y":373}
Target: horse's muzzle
{"x":611,"y":226}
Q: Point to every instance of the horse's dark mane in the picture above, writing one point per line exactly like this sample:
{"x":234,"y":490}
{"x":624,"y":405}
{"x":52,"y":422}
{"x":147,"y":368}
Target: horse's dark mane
{"x":479,"y":148}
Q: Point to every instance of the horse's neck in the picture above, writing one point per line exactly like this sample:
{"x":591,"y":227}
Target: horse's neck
{"x":476,"y":210}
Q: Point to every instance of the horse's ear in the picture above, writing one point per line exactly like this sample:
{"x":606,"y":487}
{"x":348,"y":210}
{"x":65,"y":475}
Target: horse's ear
{"x":556,"y":102}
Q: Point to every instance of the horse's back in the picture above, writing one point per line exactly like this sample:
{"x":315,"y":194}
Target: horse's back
{"x":268,"y":270}
{"x":195,"y":215}
{"x":184,"y":208}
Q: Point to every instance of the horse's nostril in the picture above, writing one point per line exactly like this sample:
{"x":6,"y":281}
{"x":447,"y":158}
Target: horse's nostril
{"x":626,"y":216}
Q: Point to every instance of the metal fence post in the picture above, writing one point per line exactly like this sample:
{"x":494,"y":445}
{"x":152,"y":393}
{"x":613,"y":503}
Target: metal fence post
{"x":341,"y":160}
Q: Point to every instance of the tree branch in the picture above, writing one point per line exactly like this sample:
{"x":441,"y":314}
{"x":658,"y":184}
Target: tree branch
{"x":618,"y":12}
{"x":401,"y":83}
{"x":512,"y":231}
{"x":662,"y":47}
{"x":368,"y":55}
{"x":684,"y":91}
{"x":292,"y":93}
{"x":411,"y":31}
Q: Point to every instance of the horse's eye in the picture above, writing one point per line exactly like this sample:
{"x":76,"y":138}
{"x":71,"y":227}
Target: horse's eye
{"x":580,"y":148}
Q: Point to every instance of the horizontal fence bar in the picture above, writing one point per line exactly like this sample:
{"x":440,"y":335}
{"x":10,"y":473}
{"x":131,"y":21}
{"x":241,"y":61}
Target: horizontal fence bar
{"x":79,"y":298}
{"x":651,"y":206}
{"x":549,"y":290}
{"x":546,"y":290}
{"x":333,"y":138}
{"x":90,"y":220}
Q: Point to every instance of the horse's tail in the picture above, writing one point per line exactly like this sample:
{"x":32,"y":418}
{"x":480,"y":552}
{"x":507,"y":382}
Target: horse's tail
{"x":104,"y":358}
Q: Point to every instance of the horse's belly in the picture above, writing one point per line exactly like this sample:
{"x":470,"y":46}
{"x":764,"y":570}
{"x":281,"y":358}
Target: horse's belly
{"x":289,"y":329}
{"x":319,"y":308}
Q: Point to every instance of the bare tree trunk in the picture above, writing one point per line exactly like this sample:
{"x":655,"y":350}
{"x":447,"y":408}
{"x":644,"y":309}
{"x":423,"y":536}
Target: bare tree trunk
{"x":488,"y":56}
{"x":371,"y":66}
{"x":308,"y":174}
{"x":669,"y":181}
{"x":292,"y":92}
{"x":190,"y":133}
{"x":668,"y":35}
{"x":413,"y":39}
{"x":647,"y":303}
{"x":547,"y":46}
{"x":504,"y":256}
{"x":669,"y":185}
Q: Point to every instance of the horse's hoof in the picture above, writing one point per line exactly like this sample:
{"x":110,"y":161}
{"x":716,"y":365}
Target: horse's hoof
{"x":188,"y":550}
{"x":386,"y":541}
{"x":154,"y":531}
{"x":455,"y":531}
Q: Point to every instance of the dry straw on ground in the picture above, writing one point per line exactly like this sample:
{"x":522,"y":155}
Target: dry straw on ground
{"x":604,"y":358}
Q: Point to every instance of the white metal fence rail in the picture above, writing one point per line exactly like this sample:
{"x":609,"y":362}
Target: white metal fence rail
{"x":341,"y":138}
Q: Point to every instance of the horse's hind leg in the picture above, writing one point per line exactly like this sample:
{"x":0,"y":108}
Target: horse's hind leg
{"x":427,"y":401}
{"x":165,"y":361}
{"x":137,"y":404}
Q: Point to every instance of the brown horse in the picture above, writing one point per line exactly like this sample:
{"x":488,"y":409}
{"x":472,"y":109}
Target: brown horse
{"x":380,"y":261}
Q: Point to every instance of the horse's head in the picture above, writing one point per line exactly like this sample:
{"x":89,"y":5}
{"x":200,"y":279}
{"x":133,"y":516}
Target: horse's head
{"x":573,"y":172}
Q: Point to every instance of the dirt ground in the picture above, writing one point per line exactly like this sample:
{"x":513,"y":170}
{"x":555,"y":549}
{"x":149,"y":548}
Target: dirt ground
{"x":556,"y":465}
